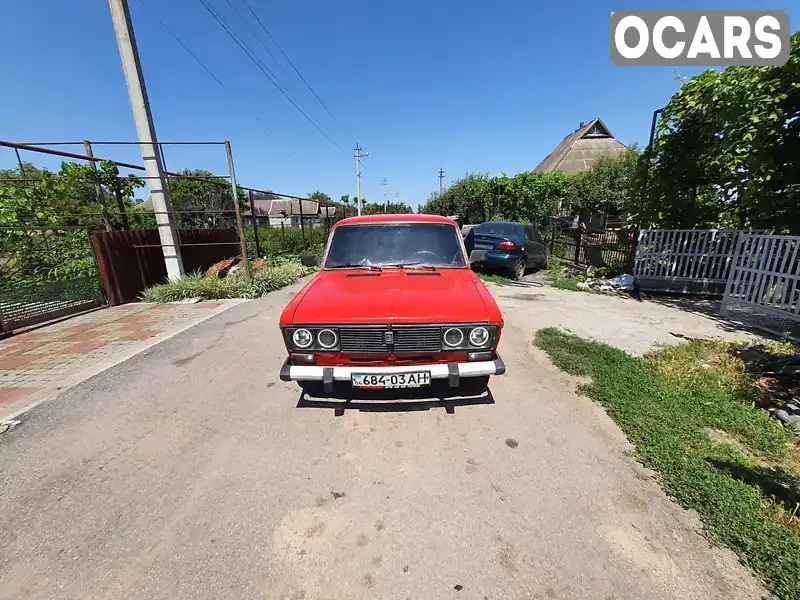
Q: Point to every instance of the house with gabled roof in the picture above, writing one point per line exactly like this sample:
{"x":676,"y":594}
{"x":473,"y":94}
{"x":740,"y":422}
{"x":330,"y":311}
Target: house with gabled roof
{"x":580,"y":150}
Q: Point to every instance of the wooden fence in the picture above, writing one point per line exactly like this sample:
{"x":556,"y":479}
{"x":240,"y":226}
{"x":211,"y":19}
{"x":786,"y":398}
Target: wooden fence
{"x":685,"y":260}
{"x":764,"y":287}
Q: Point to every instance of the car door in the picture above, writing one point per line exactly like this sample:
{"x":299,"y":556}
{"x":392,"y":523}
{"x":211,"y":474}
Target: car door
{"x":529,"y":245}
{"x":534,"y":248}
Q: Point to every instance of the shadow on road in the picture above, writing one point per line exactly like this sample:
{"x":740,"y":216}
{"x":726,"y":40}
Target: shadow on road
{"x":708,"y":307}
{"x":523,"y":283}
{"x":391,"y":403}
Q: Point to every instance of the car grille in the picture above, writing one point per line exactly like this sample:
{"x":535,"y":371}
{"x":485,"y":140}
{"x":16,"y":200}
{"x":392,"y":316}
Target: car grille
{"x":407,"y":339}
{"x":417,"y":339}
{"x":362,"y":339}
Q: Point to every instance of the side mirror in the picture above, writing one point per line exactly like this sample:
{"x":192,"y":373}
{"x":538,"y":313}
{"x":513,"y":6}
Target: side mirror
{"x":478,"y":256}
{"x":309,"y":260}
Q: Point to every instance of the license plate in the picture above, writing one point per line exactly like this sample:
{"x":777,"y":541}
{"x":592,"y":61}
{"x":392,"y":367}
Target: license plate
{"x":483,"y":246}
{"x":393,"y":380}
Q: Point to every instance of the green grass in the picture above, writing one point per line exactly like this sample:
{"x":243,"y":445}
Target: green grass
{"x":498,"y":279}
{"x":744,"y":490}
{"x":232,"y":286}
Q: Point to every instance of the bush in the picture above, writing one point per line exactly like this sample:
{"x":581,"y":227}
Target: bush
{"x":232,"y":286}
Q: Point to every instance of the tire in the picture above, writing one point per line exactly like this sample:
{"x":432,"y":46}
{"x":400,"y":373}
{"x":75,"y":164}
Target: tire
{"x":518,"y":270}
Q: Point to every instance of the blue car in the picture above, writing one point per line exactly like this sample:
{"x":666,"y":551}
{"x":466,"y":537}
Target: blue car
{"x":511,"y":247}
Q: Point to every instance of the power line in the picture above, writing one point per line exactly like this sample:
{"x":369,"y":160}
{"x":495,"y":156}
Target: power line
{"x":202,"y":64}
{"x":266,"y":71}
{"x":278,"y":46}
{"x":258,"y":39}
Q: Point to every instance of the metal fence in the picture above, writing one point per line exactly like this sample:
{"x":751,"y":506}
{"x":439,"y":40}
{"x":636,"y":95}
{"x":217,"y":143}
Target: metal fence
{"x":42,"y":276}
{"x":685,"y":260}
{"x":47,"y":273}
{"x":763,"y":286}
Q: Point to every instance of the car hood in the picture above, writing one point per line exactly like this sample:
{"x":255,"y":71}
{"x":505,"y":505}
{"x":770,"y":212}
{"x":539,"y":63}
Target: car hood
{"x":391,"y":296}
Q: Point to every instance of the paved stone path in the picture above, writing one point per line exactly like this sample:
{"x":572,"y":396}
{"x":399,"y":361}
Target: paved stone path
{"x":41,"y":361}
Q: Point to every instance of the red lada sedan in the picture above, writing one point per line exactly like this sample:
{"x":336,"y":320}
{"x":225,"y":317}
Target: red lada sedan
{"x":395,"y":305}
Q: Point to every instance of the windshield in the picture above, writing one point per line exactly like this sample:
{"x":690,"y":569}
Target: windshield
{"x":503,"y":229}
{"x":395,"y":244}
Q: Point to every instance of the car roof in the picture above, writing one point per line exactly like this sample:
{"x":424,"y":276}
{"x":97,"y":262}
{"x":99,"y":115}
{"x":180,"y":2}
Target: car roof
{"x":501,"y":223}
{"x":401,"y":218}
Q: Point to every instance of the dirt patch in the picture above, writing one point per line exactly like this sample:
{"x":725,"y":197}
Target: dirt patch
{"x":718,"y":436}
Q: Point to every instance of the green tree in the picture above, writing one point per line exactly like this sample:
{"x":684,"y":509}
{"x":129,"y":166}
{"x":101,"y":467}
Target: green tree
{"x":475,"y":198}
{"x":469,"y":198}
{"x":47,"y":204}
{"x":206,"y":202}
{"x":393,"y":208}
{"x":321,"y":197}
{"x":68,"y":197}
{"x":727,"y":151}
{"x":608,"y":188}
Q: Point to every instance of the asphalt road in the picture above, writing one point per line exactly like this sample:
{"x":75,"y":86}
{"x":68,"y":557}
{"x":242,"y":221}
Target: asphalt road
{"x":189,"y":471}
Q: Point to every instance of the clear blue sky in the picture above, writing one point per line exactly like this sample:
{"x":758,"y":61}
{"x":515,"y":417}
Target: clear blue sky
{"x":421,"y":84}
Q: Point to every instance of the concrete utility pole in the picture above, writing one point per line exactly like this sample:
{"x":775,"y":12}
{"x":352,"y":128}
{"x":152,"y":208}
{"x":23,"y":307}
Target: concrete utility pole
{"x":385,"y":197}
{"x":441,"y":180}
{"x":357,"y":153}
{"x":156,"y":179}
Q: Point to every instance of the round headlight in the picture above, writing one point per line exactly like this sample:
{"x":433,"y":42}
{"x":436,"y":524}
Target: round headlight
{"x":327,"y":338}
{"x":479,"y":336}
{"x":453,"y":337}
{"x":302,"y":338}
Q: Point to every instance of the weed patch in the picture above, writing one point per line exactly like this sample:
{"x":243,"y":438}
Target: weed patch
{"x":559,"y":276}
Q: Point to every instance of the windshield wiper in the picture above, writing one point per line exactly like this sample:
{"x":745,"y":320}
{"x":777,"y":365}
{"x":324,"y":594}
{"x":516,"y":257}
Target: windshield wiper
{"x":363,"y":267}
{"x":414,"y":265}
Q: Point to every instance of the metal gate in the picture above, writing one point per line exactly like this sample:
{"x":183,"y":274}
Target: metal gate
{"x":763,"y":287}
{"x":685,"y":260}
{"x":46,"y":273}
{"x":592,"y":247}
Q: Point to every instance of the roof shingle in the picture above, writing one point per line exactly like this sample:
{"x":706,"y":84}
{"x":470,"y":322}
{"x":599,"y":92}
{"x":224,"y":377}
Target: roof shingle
{"x":580,"y":150}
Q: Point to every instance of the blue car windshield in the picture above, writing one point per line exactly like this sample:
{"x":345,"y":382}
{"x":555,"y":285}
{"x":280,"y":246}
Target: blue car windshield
{"x":396,"y":244}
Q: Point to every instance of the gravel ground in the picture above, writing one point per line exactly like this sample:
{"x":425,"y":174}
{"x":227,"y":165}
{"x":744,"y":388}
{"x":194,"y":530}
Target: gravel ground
{"x":634,"y":326}
{"x":189,"y":471}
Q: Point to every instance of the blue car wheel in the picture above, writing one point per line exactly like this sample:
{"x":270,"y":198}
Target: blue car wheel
{"x":518,"y":270}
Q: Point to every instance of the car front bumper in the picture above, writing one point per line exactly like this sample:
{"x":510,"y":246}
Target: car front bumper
{"x":452,"y":372}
